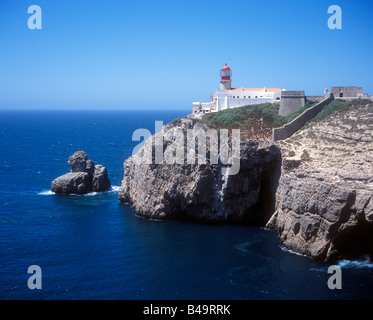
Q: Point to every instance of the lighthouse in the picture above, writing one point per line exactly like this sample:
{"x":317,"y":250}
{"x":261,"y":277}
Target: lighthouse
{"x":227,"y":97}
{"x":225,"y":78}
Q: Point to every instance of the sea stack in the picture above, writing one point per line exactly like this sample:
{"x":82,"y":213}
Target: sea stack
{"x":84,"y":176}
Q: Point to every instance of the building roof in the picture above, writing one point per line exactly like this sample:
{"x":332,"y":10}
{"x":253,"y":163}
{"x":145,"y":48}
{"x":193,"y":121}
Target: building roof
{"x":226,"y":67}
{"x":257,"y":89}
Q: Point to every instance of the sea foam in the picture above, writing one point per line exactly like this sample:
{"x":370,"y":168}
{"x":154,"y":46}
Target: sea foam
{"x":113,"y":189}
{"x":46,"y":193}
{"x":365,"y":262}
{"x":292,"y":252}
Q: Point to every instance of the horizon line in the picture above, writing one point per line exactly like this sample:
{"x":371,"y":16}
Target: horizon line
{"x":93,"y":109}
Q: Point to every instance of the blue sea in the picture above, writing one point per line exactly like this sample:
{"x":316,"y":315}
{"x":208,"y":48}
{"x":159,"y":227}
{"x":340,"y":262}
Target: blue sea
{"x":94,"y":247}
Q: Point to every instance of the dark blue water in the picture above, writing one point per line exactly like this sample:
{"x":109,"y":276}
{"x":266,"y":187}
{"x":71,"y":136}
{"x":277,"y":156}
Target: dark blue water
{"x":94,"y":247}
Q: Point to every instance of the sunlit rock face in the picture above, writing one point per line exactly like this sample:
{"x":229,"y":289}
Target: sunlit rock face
{"x":324,"y":204}
{"x":203,"y":192}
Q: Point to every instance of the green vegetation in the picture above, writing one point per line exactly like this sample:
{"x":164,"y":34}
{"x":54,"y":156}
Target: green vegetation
{"x":245,"y":116}
{"x":258,"y":120}
{"x":291,"y":153}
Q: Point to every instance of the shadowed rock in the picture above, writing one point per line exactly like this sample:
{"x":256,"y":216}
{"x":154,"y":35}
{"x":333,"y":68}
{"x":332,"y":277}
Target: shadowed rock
{"x":72,"y":182}
{"x":100,"y":180}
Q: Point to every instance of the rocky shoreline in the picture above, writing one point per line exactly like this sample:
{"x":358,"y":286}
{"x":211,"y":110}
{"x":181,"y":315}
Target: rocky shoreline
{"x":315,"y":188}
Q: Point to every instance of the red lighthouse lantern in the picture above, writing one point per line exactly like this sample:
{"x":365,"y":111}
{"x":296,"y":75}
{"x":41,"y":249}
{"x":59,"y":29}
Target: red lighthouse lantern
{"x":225,"y":73}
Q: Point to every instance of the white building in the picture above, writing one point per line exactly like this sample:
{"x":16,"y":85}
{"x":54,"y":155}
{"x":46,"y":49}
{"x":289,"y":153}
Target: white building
{"x":227,"y":97}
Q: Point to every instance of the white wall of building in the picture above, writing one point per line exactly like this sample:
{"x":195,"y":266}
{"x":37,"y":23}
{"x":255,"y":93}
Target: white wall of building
{"x":227,"y":99}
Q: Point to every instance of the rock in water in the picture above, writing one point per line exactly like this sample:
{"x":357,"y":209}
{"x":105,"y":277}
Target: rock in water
{"x":79,"y":162}
{"x":100,"y":180}
{"x":72,"y":182}
{"x":84,"y":177}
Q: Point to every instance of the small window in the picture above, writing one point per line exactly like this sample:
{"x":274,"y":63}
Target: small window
{"x":256,"y":97}
{"x":249,"y":97}
{"x":234,"y":97}
{"x":244,"y":97}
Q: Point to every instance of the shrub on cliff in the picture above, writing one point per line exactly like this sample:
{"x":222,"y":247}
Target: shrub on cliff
{"x":236,"y":117}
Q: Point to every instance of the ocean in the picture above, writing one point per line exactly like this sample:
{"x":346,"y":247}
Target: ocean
{"x":94,"y":247}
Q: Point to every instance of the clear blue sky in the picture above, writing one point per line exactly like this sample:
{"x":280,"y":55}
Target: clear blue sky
{"x":167,"y":54}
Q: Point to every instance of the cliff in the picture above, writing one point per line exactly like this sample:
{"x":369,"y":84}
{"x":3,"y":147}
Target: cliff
{"x":202,"y":192}
{"x":324,"y":202}
{"x":315,"y":188}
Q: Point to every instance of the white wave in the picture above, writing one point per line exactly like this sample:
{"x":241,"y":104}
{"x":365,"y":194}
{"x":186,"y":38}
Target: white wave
{"x":292,"y":252}
{"x":90,"y":194}
{"x":46,"y":193}
{"x":365,"y":262}
{"x":113,"y":189}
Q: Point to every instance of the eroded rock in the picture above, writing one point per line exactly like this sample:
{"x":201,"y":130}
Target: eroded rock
{"x":324,"y":205}
{"x":201,"y":192}
{"x":83,"y":178}
{"x":72,"y":182}
{"x":100,"y":180}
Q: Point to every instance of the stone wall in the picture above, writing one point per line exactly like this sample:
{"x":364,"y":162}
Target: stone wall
{"x":291,"y":101}
{"x":350,"y":92}
{"x":315,"y":98}
{"x":289,"y":129}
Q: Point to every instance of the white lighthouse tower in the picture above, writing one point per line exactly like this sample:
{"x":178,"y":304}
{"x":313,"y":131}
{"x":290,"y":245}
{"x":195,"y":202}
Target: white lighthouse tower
{"x":225,"y":78}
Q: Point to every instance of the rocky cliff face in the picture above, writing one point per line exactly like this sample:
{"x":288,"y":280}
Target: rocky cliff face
{"x":324,"y":203}
{"x":200,"y":191}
